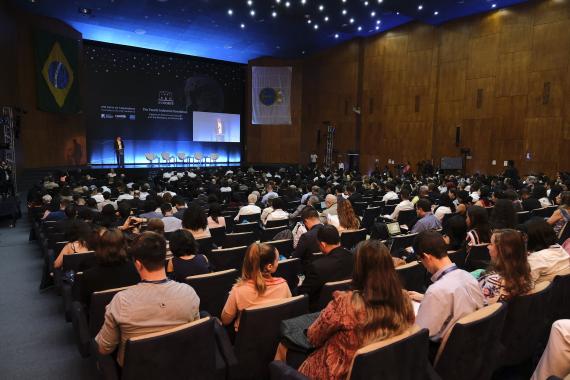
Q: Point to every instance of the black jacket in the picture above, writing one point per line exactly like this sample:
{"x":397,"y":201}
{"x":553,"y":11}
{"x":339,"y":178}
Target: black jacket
{"x":307,"y":245}
{"x":335,"y":266}
{"x":530,"y":204}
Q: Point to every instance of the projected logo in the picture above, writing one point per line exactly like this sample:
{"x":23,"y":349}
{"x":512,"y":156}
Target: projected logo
{"x":166,"y":98}
{"x":269,"y":96}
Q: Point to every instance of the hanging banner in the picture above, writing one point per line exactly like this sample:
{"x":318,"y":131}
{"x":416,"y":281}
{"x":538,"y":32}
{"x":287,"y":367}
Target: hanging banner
{"x":271,"y":95}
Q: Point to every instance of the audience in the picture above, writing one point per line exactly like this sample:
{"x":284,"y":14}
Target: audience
{"x":171,"y":223}
{"x":547,"y":259}
{"x":155,"y":304}
{"x":376,"y":309}
{"x":277,"y":212}
{"x":185,"y":261}
{"x":509,"y":274}
{"x":330,"y":208}
{"x":250,"y":209}
{"x":308,"y":243}
{"x":215,"y":217}
{"x":427,"y":221}
{"x":455,"y":232}
{"x":404,"y":205}
{"x":503,"y":215}
{"x":195,"y":221}
{"x":555,"y":360}
{"x":77,"y":234}
{"x":334,"y":265}
{"x":562,"y":215}
{"x":478,"y":224}
{"x":256,"y":285}
{"x":346,"y":220}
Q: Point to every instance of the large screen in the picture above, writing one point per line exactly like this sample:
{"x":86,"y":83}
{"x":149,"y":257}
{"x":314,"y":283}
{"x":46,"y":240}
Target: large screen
{"x":161,"y":102}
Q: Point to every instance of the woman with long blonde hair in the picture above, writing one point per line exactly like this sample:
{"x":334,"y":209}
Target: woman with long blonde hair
{"x":376,"y":309}
{"x":346,"y":219}
{"x":256,"y":285}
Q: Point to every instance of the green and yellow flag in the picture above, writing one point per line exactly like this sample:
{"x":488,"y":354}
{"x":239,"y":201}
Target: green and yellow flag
{"x":56,"y":73}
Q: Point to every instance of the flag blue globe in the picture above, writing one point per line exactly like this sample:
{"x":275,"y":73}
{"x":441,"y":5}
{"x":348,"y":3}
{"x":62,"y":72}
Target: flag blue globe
{"x":58,"y":75}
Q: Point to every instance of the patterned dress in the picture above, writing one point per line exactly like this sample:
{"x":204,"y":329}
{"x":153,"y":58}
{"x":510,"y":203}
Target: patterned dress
{"x":334,"y":335}
{"x":493,"y":287}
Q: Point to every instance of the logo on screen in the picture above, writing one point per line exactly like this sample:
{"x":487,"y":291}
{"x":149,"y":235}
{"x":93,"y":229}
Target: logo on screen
{"x":269,"y":96}
{"x":166,"y":98}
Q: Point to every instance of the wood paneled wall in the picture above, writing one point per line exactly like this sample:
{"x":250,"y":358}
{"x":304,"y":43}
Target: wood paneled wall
{"x":46,"y":139}
{"x":502,"y":77}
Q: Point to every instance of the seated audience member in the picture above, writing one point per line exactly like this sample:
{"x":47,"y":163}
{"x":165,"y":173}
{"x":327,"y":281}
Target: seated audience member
{"x":334,"y":265}
{"x":539,"y":192}
{"x":106,"y":201}
{"x":346,"y":220}
{"x":195,"y":221}
{"x":70,"y":216}
{"x":561,"y":216}
{"x":478,"y":224}
{"x":77,"y":234}
{"x":215,"y":217}
{"x":56,"y":213}
{"x":404,"y":205}
{"x":427,"y":220}
{"x":180,"y":205}
{"x":153,"y":305}
{"x":484,"y":195}
{"x":453,"y":294}
{"x":312,"y":201}
{"x":330,"y":209}
{"x":308,"y":243}
{"x":464,"y":201}
{"x":277,"y":213}
{"x":390,"y":193}
{"x":546,"y":258}
{"x":256,"y":285}
{"x":555,"y":360}
{"x":503,"y":215}
{"x":171,"y":223}
{"x":251,"y":207}
{"x":269,"y":194}
{"x":185,"y":261}
{"x":353,"y":194}
{"x":150,"y":206}
{"x":509,"y":274}
{"x":376,"y":309}
{"x":314,"y":192}
{"x":266,"y":211}
{"x":455,"y":232}
{"x":114,"y":269}
{"x":445,"y":207}
{"x":155,"y":225}
{"x":107,"y":217}
{"x":512,"y":196}
{"x":529,"y":202}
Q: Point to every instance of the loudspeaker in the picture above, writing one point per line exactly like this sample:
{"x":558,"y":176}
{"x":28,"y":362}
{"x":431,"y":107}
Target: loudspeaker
{"x":457,"y":136}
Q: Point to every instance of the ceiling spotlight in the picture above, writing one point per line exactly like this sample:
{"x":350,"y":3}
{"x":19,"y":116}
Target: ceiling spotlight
{"x":380,"y":1}
{"x":377,"y":27}
{"x":494,"y":6}
{"x":252,"y":12}
{"x":249,"y":2}
{"x":242,"y":26}
{"x":372,"y":14}
{"x":316,"y":26}
{"x":366,"y":3}
{"x":344,"y":11}
{"x":435,"y":13}
{"x":397,"y":13}
{"x":303,"y":2}
{"x":287,"y":4}
{"x":321,"y":7}
{"x":326,"y":18}
{"x":359,"y":28}
{"x":377,"y":22}
{"x":278,"y":1}
{"x":344,"y":1}
{"x":274,"y":14}
{"x":336,"y":35}
{"x":351,"y":20}
{"x":309,"y":21}
{"x":420,"y":7}
{"x":230,"y":12}
{"x":85,"y":11}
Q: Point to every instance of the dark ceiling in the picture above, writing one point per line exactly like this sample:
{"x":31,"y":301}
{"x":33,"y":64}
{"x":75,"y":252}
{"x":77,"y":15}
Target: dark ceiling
{"x":240,"y":30}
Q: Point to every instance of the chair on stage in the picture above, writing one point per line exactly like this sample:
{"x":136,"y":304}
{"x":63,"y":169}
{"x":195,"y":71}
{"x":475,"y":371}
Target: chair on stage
{"x":181,"y":157}
{"x":198,"y":157}
{"x":150,"y":157}
{"x":214,"y":157}
{"x":167,"y":157}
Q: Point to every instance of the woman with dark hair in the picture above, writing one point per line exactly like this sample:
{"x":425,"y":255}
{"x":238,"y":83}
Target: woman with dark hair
{"x":464,"y":201}
{"x":547,"y":259}
{"x":446,"y":206}
{"x":455,"y":232}
{"x":509,"y":275}
{"x":195,"y":221}
{"x":185,"y":261}
{"x":561,"y":216}
{"x":484,"y":195}
{"x":539,"y":192}
{"x":256,"y":285}
{"x":77,"y":234}
{"x":503,"y":215}
{"x":376,"y":309}
{"x":215,"y":217}
{"x":278,"y":213}
{"x":114,"y":269}
{"x":107,"y":218}
{"x":478,"y":224}
{"x":512,"y":196}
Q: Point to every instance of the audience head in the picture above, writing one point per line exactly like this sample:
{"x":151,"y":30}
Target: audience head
{"x":539,"y":191}
{"x":149,"y":252}
{"x":78,"y":230}
{"x":330,"y":200}
{"x":310,"y":217}
{"x":260,"y":262}
{"x":346,"y":216}
{"x":540,"y":234}
{"x":455,"y":229}
{"x":251,"y":199}
{"x":379,"y":292}
{"x":278,"y":204}
{"x":111,"y":247}
{"x":503,"y":214}
{"x":155,"y":225}
{"x":313,"y":200}
{"x":70,"y":211}
{"x":182,"y":243}
{"x":431,"y":249}
{"x":509,"y":259}
{"x":423,"y":206}
{"x":478,"y":219}
{"x":405,"y":194}
{"x":194,"y":218}
{"x":166,"y":209}
{"x":564,"y":199}
{"x":328,"y":238}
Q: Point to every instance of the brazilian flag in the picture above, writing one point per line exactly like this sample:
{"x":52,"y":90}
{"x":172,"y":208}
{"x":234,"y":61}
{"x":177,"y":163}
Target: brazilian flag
{"x":56,"y":73}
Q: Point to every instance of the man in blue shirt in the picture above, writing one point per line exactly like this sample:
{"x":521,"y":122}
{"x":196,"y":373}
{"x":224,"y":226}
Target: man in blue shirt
{"x":427,"y":221}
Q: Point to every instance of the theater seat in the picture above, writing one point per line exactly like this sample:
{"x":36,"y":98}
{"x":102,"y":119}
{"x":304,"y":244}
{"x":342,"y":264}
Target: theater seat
{"x":326,"y":294}
{"x":349,"y":239}
{"x":227,"y":258}
{"x":413,"y":276}
{"x":213,"y":289}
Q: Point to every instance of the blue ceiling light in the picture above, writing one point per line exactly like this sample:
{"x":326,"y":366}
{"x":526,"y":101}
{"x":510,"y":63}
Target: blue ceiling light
{"x":230,"y":12}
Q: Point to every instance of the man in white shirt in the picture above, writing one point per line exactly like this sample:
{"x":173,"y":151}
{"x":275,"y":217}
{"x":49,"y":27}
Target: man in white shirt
{"x":171,"y":223}
{"x":96,"y":194}
{"x":453,"y":294}
{"x":391,"y":194}
{"x":250,"y":209}
{"x":405,"y":204}
{"x":278,"y":213}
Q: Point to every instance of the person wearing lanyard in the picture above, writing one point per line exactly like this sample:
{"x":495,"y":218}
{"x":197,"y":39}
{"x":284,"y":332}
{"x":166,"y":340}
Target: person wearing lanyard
{"x":453,"y":294}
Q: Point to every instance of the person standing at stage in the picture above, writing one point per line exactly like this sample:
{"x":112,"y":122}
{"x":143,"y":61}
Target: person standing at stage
{"x":313,"y":158}
{"x":120,"y":151}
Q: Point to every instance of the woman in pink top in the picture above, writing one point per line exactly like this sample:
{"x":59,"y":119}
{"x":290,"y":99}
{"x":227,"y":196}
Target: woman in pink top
{"x":256,"y":285}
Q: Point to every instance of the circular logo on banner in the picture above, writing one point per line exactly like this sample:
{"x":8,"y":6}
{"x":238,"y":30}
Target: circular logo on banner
{"x":268,"y":96}
{"x":58,"y":75}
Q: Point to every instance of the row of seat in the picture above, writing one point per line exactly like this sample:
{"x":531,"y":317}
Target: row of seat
{"x":181,"y":157}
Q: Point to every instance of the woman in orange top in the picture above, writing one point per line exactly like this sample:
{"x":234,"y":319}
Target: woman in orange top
{"x":377,"y":309}
{"x":256,"y":285}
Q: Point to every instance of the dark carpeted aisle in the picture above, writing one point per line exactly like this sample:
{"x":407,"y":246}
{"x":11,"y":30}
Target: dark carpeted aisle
{"x":35,"y":340}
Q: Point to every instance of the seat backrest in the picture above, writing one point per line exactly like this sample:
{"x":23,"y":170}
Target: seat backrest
{"x":285,"y":246}
{"x":470,"y":350}
{"x":99,"y":300}
{"x":525,"y":325}
{"x":289,"y":270}
{"x":413,"y":276}
{"x":186,"y":351}
{"x":205,"y":245}
{"x":78,"y":262}
{"x":477,"y":257}
{"x":239,"y":239}
{"x":522,"y":216}
{"x":268,"y":233}
{"x":259,"y":333}
{"x":564,"y":233}
{"x":560,"y":298}
{"x":218,"y":235}
{"x":407,"y":217}
{"x":349,"y":239}
{"x":213,"y":289}
{"x":227,"y":258}
{"x":250,"y":218}
{"x":252,"y":226}
{"x":401,"y":357}
{"x":401,"y":242}
{"x":370,"y":215}
{"x":277,"y":223}
{"x":544,"y":212}
{"x":326,"y":294}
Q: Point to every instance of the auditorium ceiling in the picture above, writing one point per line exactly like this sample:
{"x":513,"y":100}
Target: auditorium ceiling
{"x":240,"y":30}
